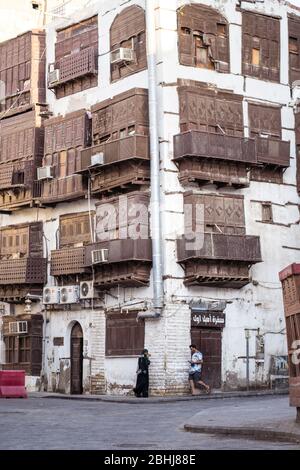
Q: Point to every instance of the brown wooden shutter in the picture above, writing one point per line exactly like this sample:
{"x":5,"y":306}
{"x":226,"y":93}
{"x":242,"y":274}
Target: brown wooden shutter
{"x":261,"y":32}
{"x":186,"y":49}
{"x":294,"y":49}
{"x":264,"y":119}
{"x":124,"y":335}
{"x":36,"y":354}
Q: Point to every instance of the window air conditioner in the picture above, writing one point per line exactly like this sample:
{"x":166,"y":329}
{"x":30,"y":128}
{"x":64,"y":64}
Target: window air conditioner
{"x":123,"y":54}
{"x":44,"y":173}
{"x":97,"y":159}
{"x":18,"y":327}
{"x":53,"y":77}
{"x":99,"y":256}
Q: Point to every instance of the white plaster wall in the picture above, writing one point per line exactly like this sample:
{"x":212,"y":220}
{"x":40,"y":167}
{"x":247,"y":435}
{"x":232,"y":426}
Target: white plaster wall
{"x":18,"y":16}
{"x":120,"y":374}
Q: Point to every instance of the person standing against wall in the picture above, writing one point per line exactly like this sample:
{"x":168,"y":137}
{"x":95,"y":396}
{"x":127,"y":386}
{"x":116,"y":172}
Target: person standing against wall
{"x":142,"y":381}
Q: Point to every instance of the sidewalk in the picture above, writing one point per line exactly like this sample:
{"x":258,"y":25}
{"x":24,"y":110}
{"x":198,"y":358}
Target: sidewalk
{"x":270,"y":418}
{"x":153,"y":400}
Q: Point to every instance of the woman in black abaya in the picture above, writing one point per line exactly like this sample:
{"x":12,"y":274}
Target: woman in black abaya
{"x":142,"y":381}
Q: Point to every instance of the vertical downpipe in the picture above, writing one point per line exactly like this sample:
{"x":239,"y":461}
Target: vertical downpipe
{"x":155,"y":166}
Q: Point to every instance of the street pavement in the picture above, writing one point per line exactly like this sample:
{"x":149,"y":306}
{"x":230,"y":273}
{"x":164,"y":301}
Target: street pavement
{"x":266,"y":419}
{"x":44,"y":424}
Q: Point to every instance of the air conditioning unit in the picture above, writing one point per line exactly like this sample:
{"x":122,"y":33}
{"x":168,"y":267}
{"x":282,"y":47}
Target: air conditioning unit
{"x":88,"y":291}
{"x":97,"y":159}
{"x":123,"y":54}
{"x":44,"y":173}
{"x":51,"y":295}
{"x":69,"y":295}
{"x":53,"y":77}
{"x":99,"y":256}
{"x":6,"y":309}
{"x":17,"y":327}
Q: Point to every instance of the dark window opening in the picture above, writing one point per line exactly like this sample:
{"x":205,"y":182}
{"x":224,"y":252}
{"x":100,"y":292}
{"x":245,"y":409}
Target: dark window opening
{"x":186,"y":31}
{"x":221,"y":29}
{"x":293,"y":45}
{"x":10,"y":347}
{"x":24,"y":349}
{"x":267,"y":213}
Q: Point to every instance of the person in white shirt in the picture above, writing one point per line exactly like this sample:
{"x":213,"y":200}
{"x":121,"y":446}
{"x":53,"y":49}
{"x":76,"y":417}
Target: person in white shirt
{"x":196,"y":369}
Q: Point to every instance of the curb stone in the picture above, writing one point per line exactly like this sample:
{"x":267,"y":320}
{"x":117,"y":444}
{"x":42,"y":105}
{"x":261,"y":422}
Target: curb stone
{"x":154,"y":400}
{"x":253,"y":433}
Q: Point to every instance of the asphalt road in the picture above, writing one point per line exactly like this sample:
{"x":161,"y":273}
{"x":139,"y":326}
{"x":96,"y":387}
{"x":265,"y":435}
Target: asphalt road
{"x":44,"y":424}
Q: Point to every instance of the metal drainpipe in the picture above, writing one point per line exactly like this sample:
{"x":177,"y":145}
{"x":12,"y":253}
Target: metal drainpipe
{"x":247,"y":333}
{"x":155,"y":167}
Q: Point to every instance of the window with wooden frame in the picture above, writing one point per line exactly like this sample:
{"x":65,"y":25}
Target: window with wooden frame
{"x":125,"y":335}
{"x":264,"y":121}
{"x":221,"y":112}
{"x":14,"y":242}
{"x":76,"y":58}
{"x":128,"y":31}
{"x":24,"y":349}
{"x":255,"y":56}
{"x":202,"y":56}
{"x":294,"y":48}
{"x":261,"y":46}
{"x":10,"y":349}
{"x":203,"y":38}
{"x":266,"y":212}
{"x":75,"y":230}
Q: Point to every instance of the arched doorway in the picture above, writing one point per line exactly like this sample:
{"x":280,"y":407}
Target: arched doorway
{"x":76,"y":359}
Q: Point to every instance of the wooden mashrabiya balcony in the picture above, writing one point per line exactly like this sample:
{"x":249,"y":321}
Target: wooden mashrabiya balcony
{"x":122,"y":163}
{"x":222,"y":260}
{"x":128,"y":262}
{"x":219,"y":158}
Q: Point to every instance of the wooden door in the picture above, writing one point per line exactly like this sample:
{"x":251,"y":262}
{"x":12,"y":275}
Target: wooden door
{"x":76,"y":359}
{"x":209,"y":342}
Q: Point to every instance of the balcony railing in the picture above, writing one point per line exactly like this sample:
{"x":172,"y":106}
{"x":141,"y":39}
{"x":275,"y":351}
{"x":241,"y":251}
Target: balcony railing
{"x":218,"y":146}
{"x":273,"y":152}
{"x":125,"y":174}
{"x":131,"y":147}
{"x":17,"y":175}
{"x":23,"y":271}
{"x":62,"y":189}
{"x":218,"y":246}
{"x":68,"y":261}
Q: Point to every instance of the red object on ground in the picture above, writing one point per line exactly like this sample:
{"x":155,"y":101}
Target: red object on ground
{"x":12,"y":384}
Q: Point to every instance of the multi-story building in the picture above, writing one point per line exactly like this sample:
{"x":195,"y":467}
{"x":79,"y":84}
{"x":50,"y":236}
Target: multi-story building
{"x":78,"y":193}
